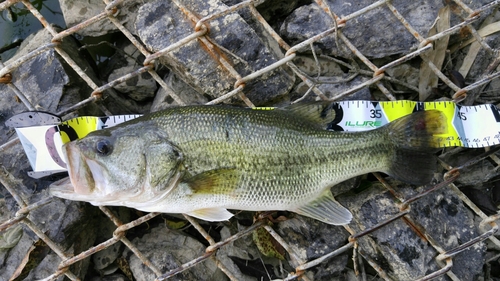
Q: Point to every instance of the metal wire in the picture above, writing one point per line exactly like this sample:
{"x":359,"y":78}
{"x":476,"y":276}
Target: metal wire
{"x":200,"y":33}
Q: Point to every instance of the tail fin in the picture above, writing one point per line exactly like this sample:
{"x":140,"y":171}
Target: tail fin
{"x":415,"y":139}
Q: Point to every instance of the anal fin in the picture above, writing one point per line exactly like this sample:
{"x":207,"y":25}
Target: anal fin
{"x":212,"y":214}
{"x":326,"y":209}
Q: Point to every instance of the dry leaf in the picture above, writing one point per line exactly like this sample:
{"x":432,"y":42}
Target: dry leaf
{"x":483,"y":32}
{"x":428,"y":79}
{"x":487,"y":28}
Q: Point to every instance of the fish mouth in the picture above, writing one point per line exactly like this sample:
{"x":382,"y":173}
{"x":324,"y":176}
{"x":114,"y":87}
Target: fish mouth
{"x":62,"y":188}
{"x":80,"y":182}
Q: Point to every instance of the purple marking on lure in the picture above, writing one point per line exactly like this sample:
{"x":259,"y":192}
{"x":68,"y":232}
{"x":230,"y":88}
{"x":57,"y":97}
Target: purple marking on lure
{"x":51,"y":147}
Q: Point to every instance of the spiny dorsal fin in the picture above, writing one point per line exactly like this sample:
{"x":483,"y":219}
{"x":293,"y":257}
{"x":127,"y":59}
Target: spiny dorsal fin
{"x":326,"y":209}
{"x":218,"y":181}
{"x":319,"y":112}
{"x":212,"y":214}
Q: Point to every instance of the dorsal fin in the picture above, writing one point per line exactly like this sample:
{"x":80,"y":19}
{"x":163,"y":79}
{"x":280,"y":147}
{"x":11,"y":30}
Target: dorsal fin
{"x":320,"y":112}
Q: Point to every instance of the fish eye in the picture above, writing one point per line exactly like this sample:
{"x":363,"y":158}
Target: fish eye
{"x":103,"y":147}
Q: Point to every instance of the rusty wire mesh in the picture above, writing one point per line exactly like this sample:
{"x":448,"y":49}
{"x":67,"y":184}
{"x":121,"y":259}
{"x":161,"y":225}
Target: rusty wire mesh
{"x":200,"y":33}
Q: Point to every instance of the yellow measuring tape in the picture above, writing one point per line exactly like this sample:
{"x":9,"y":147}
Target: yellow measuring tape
{"x":469,"y":126}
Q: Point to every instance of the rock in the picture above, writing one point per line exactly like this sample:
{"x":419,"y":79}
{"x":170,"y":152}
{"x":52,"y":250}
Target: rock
{"x":10,"y":237}
{"x":169,"y":249}
{"x":186,"y":93}
{"x":397,"y":248}
{"x":105,"y":261}
{"x":446,"y":219}
{"x":476,"y":174}
{"x":11,"y":259}
{"x":138,"y":88}
{"x":276,"y":10}
{"x":46,"y":80}
{"x":332,"y":80}
{"x":376,"y":33}
{"x":274,"y":13}
{"x":312,"y":239}
{"x":306,"y":22}
{"x":478,"y":70}
{"x":405,"y":73}
{"x":334,"y":86}
{"x":160,"y":24}
{"x":126,"y":60}
{"x":244,"y":260}
{"x":458,"y":14}
{"x":69,"y":224}
{"x":113,"y":277}
{"x":49,"y":84}
{"x":76,"y":12}
{"x":326,"y":67}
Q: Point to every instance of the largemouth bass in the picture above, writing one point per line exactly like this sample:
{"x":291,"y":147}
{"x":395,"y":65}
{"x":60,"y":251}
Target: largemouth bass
{"x":204,"y":160}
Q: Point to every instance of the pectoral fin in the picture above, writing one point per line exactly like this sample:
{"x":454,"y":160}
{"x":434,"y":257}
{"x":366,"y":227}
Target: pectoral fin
{"x":212,"y":214}
{"x":218,"y":181}
{"x":326,"y":209}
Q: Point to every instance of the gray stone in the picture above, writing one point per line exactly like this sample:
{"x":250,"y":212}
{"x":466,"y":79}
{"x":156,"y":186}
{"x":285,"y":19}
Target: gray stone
{"x":46,"y":268}
{"x":405,"y":73}
{"x":376,"y":33}
{"x":185,"y":92}
{"x":397,"y":248}
{"x":72,"y":225}
{"x":113,"y":277}
{"x":323,"y":67}
{"x":160,"y":24}
{"x":104,"y":261}
{"x":11,"y":259}
{"x":76,"y":12}
{"x":243,"y":248}
{"x":479,"y":68}
{"x":473,"y":175}
{"x":446,"y":219}
{"x":46,"y":80}
{"x":49,"y":84}
{"x":312,"y":239}
{"x":168,"y":249}
{"x":69,"y":224}
{"x":306,"y":22}
{"x":126,"y":60}
{"x":273,"y":12}
{"x":332,"y":87}
{"x":138,"y":88}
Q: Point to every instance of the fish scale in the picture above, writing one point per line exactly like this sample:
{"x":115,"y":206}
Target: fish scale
{"x":260,"y":160}
{"x":203,"y":160}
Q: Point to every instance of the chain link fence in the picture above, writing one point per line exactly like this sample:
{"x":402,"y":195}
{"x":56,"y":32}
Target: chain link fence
{"x":201,"y":33}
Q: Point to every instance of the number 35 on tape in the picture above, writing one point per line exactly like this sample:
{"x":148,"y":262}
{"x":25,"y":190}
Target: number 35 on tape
{"x":469,"y":126}
{"x":42,"y":134}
